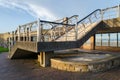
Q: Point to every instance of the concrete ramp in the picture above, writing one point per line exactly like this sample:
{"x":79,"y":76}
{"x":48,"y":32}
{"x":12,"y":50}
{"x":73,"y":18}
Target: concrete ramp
{"x":23,"y":50}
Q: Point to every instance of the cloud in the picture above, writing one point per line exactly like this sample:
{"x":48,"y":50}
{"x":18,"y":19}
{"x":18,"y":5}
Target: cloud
{"x":34,"y":10}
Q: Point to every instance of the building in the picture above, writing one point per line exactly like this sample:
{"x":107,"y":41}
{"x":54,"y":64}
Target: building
{"x":4,"y":39}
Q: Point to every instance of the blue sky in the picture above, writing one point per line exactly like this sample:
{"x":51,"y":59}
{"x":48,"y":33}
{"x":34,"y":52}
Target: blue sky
{"x":17,"y":12}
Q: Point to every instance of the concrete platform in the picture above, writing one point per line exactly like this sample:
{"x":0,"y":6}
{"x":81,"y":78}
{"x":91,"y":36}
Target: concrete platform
{"x":86,"y":61}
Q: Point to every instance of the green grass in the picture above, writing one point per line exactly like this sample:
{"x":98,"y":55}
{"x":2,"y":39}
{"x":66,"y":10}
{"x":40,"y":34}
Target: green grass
{"x":3,"y":49}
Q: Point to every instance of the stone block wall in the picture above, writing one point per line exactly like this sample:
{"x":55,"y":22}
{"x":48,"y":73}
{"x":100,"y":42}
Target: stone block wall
{"x":103,"y":65}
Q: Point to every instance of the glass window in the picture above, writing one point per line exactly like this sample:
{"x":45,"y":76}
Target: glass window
{"x":113,"y":39}
{"x":98,"y":40}
{"x":105,"y":39}
{"x":118,"y":39}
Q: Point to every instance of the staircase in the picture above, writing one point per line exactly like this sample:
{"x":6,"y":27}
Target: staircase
{"x":58,"y":30}
{"x":66,"y":35}
{"x":81,"y":29}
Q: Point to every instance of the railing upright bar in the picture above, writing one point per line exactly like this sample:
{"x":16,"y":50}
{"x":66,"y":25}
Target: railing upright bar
{"x":76,"y":29}
{"x":14,"y":37}
{"x":118,"y":11}
{"x":29,"y":33}
{"x":23,"y":33}
{"x":39,"y":31}
{"x":19,"y":33}
{"x":102,"y":14}
{"x":9,"y":43}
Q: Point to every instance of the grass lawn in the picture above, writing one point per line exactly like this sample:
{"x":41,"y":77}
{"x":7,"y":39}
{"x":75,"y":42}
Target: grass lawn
{"x":3,"y":49}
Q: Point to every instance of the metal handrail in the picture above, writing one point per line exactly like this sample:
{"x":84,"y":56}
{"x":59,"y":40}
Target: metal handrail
{"x":80,"y":21}
{"x":89,"y":15}
{"x":95,"y":16}
{"x":62,"y":23}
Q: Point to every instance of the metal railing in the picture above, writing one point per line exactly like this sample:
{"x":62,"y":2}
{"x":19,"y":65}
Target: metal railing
{"x":95,"y":17}
{"x":66,"y":29}
{"x":57,"y":30}
{"x":111,"y":12}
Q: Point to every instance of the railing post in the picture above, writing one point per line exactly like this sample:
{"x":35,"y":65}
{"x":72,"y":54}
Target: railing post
{"x":66,"y":27}
{"x":14,"y":37}
{"x":51,"y":36}
{"x":27,"y":34}
{"x":102,"y":15}
{"x":118,"y":10}
{"x":30,"y":32}
{"x":90,"y":20}
{"x":10,"y":40}
{"x":19,"y":33}
{"x":39,"y":31}
{"x":9,"y":43}
{"x":76,"y":29}
{"x":59,"y":31}
{"x":23,"y":33}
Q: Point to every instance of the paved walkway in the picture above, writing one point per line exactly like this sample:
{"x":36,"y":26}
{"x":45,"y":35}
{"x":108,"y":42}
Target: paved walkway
{"x":30,"y":70}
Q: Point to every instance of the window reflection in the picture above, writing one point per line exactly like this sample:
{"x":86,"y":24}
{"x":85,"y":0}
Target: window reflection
{"x":98,"y":39}
{"x":105,"y":39}
{"x":118,"y":39}
{"x":108,"y":39}
{"x":113,"y":39}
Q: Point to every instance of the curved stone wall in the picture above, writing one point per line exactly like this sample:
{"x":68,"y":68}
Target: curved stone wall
{"x":95,"y":66}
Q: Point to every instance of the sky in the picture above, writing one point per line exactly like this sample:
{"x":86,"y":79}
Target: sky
{"x":17,"y":12}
